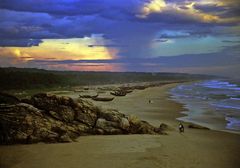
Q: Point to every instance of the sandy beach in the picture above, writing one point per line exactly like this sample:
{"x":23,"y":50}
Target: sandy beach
{"x":193,"y":149}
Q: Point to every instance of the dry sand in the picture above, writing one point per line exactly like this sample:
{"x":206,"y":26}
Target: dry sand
{"x":193,"y":149}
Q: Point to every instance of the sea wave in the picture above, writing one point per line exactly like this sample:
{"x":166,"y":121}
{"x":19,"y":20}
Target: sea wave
{"x":216,"y":100}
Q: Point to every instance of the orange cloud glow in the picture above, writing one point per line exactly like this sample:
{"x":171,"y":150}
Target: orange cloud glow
{"x":61,"y":49}
{"x":161,"y":6}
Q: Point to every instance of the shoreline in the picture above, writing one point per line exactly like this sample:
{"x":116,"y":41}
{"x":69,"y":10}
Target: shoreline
{"x":195,"y":148}
{"x":186,"y":118}
{"x":142,"y":97}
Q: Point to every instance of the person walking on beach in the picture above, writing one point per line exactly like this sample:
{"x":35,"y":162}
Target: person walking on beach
{"x":181,"y":127}
{"x":150,"y":101}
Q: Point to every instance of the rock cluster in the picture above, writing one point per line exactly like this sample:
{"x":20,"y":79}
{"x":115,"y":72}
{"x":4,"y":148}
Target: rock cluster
{"x":50,"y":118}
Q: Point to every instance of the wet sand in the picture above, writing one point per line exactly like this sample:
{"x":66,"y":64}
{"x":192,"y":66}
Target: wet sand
{"x":192,"y":149}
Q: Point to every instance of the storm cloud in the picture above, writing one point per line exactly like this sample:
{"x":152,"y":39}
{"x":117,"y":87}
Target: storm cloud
{"x":129,"y":30}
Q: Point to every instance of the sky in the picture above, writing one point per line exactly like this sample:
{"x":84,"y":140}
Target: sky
{"x":190,"y":36}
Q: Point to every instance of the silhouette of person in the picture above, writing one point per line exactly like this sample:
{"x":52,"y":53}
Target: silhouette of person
{"x":181,"y":127}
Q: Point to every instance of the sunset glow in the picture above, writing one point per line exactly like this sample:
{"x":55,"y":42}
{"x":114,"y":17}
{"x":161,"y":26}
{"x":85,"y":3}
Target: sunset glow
{"x":129,"y":34}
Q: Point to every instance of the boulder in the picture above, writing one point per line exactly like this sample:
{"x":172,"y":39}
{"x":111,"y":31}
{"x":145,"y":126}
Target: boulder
{"x":63,"y":113}
{"x":86,"y":113}
{"x":65,"y":138}
{"x":108,"y":127}
{"x":24,"y":123}
{"x":83,"y":129}
{"x":87,"y":118}
{"x":8,"y":99}
{"x":111,"y":115}
{"x":163,"y":126}
{"x":142,"y":127}
{"x":50,"y":118}
{"x":124,"y":124}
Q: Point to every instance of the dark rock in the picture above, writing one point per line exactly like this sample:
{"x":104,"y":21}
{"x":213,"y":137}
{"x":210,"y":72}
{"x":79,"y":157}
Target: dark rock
{"x":8,"y":99}
{"x":27,"y":101}
{"x":163,"y":126}
{"x":119,"y":93}
{"x":83,"y":129}
{"x":195,"y":126}
{"x":124,"y":124}
{"x":86,"y":117}
{"x":86,"y":113}
{"x":108,"y":127}
{"x":24,"y":123}
{"x":141,"y":127}
{"x":49,"y":118}
{"x":111,"y":115}
{"x":102,"y":98}
{"x":65,"y":138}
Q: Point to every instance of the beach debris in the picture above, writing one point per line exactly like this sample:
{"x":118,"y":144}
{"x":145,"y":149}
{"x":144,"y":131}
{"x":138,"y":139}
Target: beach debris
{"x":50,"y":118}
{"x":150,"y":101}
{"x":118,"y":93}
{"x":88,"y":96}
{"x":195,"y":126}
{"x":140,"y":87}
{"x":102,"y":98}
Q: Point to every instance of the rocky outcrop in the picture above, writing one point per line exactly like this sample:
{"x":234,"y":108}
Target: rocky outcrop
{"x":124,"y":90}
{"x":49,"y":118}
{"x":9,"y":99}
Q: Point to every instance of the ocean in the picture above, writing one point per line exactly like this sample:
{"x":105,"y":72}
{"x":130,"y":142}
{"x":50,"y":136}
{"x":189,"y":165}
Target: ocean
{"x":213,"y":103}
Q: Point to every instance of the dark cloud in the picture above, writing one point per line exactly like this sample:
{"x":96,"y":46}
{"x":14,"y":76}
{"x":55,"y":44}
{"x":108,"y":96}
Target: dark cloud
{"x":79,"y":18}
{"x":19,"y":42}
{"x":24,"y":25}
{"x":27,"y":22}
{"x":232,"y":12}
{"x":106,"y":45}
{"x":169,"y":17}
{"x":210,"y":8}
{"x":230,"y":41}
{"x":108,"y":8}
{"x":21,"y":26}
{"x":63,"y":7}
{"x":224,"y":11}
